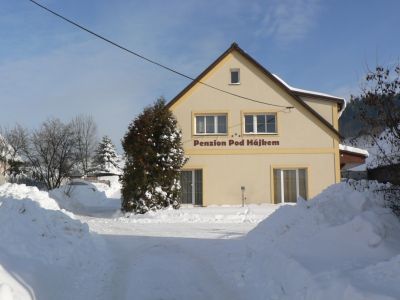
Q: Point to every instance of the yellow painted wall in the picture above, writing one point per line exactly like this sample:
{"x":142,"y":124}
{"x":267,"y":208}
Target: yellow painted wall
{"x":303,"y":139}
{"x":223,"y":175}
{"x":323,"y":107}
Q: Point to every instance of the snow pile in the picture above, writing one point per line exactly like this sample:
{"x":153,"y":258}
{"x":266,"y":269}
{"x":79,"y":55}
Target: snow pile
{"x":83,"y":197}
{"x":113,"y":190}
{"x":21,"y":191}
{"x":11,"y":288}
{"x":43,"y":246}
{"x":343,"y":244}
{"x":213,"y":214}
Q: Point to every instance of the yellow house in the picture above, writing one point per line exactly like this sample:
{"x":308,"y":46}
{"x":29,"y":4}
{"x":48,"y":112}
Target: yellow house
{"x":258,"y":139}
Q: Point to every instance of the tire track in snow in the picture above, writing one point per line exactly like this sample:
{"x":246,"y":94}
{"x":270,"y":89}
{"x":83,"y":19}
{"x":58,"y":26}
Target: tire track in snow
{"x":160,"y":268}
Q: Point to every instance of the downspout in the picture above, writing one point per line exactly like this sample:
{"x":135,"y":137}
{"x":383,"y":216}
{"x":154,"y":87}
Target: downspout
{"x":343,"y":108}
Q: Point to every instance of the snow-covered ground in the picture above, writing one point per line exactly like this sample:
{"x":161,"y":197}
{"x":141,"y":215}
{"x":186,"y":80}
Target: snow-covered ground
{"x":341,"y":245}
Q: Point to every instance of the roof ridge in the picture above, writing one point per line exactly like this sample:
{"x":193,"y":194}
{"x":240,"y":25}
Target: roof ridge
{"x":235,"y":46}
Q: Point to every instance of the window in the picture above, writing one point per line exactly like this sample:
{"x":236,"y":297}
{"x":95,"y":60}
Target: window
{"x":289,"y":185}
{"x":260,"y":123}
{"x":211,"y":124}
{"x":235,"y":76}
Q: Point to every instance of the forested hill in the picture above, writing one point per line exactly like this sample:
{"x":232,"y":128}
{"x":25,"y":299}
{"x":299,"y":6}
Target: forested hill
{"x":350,"y":122}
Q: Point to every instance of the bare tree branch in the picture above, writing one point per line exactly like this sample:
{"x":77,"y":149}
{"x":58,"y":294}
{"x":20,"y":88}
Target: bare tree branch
{"x":85,"y":130}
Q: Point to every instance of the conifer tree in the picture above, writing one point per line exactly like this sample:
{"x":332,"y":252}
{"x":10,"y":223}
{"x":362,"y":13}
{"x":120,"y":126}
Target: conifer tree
{"x":154,"y":157}
{"x":105,"y":159}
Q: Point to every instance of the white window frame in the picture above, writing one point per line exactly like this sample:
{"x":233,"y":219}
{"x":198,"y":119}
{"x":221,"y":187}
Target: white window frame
{"x":234,"y":70}
{"x":297,"y":183}
{"x":255,"y":123}
{"x":215,"y":124}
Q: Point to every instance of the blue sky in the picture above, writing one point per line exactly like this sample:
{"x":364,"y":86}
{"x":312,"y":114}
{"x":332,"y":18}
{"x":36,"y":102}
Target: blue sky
{"x":50,"y":69}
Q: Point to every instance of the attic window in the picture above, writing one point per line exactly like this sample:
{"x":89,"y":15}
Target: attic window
{"x":235,"y":76}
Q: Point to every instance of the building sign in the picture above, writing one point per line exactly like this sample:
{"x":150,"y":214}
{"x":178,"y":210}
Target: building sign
{"x":235,"y":143}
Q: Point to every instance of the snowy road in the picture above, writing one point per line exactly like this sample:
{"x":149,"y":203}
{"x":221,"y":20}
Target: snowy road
{"x":344,"y":244}
{"x":170,"y":261}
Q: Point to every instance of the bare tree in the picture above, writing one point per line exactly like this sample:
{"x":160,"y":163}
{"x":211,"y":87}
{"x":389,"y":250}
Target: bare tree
{"x":12,"y":143}
{"x":381,"y":116}
{"x":85,"y":131}
{"x":50,"y":151}
{"x":381,"y":111}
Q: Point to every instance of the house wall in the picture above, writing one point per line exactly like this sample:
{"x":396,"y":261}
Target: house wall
{"x":303,"y":140}
{"x":323,"y":107}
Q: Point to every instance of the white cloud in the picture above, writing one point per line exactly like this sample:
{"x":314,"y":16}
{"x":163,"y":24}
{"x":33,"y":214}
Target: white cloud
{"x":288,"y":20}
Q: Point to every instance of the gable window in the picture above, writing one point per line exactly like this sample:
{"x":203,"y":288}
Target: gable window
{"x":260,"y":123}
{"x":235,"y":76}
{"x":211,"y":124}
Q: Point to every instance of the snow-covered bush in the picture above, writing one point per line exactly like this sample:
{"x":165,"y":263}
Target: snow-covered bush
{"x":154,"y":157}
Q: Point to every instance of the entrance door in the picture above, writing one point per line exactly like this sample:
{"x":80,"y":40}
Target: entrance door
{"x":289,"y":184}
{"x":192,"y":187}
{"x":186,"y":187}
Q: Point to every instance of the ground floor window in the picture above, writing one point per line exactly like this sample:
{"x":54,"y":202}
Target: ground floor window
{"x":192,"y":187}
{"x":289,"y":184}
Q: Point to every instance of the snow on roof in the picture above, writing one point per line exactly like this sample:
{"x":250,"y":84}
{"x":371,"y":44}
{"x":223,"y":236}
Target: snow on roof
{"x":306,"y":91}
{"x":353,"y":150}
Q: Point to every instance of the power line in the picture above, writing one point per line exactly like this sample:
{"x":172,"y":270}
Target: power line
{"x":152,"y":61}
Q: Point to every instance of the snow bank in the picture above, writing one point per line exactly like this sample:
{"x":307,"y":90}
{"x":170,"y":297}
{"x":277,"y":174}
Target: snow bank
{"x":33,"y":232}
{"x":43,"y":246}
{"x":21,"y":191}
{"x":11,"y":288}
{"x":113,"y":190}
{"x":87,"y":198}
{"x":343,"y":244}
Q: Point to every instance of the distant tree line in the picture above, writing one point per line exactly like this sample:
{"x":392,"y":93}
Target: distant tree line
{"x":52,"y":152}
{"x":353,"y":125}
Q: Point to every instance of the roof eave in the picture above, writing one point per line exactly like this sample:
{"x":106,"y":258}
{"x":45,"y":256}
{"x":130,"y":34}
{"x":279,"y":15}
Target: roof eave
{"x":339,"y":101}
